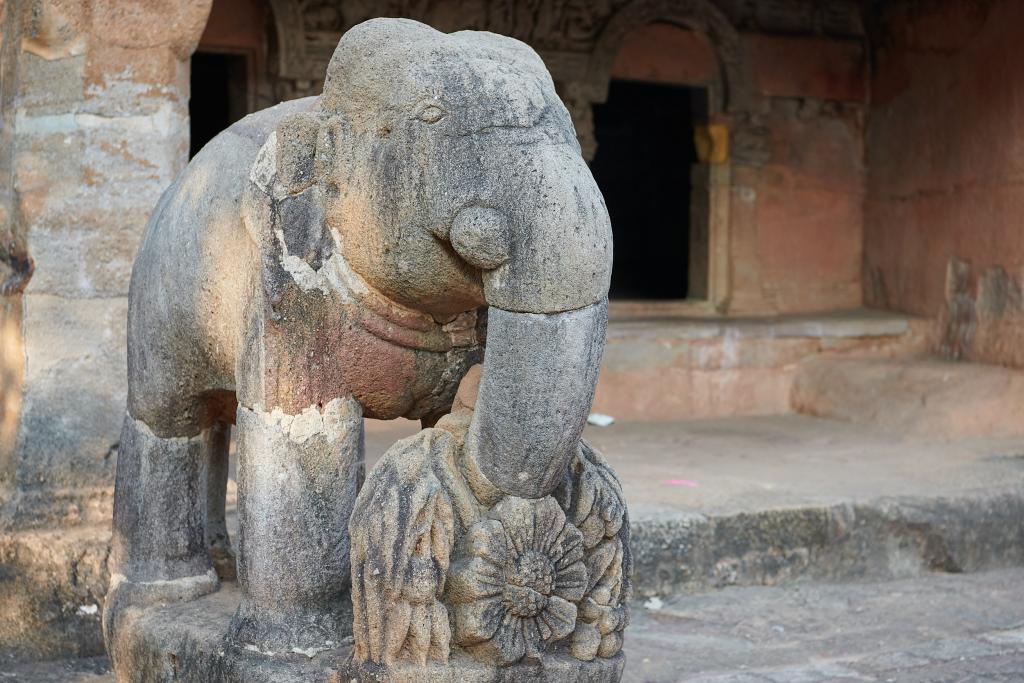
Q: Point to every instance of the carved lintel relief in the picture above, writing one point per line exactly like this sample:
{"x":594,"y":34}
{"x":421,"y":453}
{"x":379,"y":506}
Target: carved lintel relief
{"x":450,"y":573}
{"x":577,"y":38}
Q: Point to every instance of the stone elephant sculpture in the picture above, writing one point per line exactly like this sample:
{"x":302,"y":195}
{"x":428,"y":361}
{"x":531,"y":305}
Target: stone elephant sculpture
{"x":341,"y":257}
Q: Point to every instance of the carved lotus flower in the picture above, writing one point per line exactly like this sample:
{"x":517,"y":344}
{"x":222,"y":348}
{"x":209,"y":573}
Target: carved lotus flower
{"x":514,"y":589}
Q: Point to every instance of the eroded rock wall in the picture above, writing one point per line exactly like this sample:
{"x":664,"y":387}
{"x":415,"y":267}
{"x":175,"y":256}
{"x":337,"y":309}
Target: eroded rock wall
{"x":95,"y":112}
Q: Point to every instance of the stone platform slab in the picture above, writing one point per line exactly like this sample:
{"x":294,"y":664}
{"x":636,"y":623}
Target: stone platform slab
{"x":924,"y":398}
{"x":937,"y":628}
{"x":663,"y":367}
{"x":771,"y":500}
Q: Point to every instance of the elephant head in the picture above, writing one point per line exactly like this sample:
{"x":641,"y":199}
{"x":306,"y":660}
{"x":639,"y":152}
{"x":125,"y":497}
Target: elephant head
{"x":452,"y":178}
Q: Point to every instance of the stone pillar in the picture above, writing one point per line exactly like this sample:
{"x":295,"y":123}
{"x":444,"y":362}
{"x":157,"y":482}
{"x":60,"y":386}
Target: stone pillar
{"x":95,"y":125}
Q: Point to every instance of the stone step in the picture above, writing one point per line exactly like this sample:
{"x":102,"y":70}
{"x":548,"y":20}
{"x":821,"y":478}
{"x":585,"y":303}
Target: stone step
{"x":672,"y":368}
{"x":772,"y":500}
{"x":778,"y":499}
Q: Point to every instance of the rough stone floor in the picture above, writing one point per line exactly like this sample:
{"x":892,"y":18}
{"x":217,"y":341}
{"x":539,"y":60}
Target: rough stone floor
{"x":937,"y":628}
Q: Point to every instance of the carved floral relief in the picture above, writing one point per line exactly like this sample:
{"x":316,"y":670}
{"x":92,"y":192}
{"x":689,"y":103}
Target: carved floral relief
{"x":516,"y":587}
{"x":445,"y":567}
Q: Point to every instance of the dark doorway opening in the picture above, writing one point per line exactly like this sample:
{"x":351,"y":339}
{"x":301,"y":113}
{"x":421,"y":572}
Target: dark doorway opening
{"x":643,"y":165}
{"x":219,"y":95}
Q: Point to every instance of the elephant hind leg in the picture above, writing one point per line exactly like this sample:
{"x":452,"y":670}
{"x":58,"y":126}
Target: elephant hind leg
{"x":218,"y":443}
{"x":159,"y":550}
{"x":159,"y":505}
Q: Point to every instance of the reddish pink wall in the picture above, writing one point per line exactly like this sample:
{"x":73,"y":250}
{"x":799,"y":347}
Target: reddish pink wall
{"x":797,"y":212}
{"x":798,"y":178}
{"x":796,"y":215}
{"x":824,"y":68}
{"x":946,"y":173}
{"x":662,"y":53}
{"x":809,"y":208}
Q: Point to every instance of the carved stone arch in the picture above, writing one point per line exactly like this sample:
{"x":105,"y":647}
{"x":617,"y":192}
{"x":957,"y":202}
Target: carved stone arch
{"x":698,"y":15}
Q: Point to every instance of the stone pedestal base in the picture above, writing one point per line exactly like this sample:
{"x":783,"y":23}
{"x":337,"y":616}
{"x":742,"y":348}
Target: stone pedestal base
{"x":185,"y":642}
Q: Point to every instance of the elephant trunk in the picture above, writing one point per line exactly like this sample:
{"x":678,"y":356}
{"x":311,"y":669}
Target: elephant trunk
{"x":548,"y":302}
{"x":538,"y":381}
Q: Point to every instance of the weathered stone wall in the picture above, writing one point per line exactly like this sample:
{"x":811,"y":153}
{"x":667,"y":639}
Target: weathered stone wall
{"x":796,"y":164}
{"x":797,"y":170}
{"x":663,"y":53}
{"x":945,"y":153}
{"x":93,"y":127}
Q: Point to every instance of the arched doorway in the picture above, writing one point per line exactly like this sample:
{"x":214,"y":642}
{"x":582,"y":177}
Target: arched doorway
{"x":661,"y":93}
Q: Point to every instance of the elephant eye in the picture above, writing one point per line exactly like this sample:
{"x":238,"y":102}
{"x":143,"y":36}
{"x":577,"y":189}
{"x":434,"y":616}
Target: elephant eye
{"x":431,"y":113}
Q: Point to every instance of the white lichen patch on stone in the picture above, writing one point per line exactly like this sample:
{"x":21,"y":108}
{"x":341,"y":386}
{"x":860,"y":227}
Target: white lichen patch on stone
{"x":313,"y":651}
{"x":334,"y":277}
{"x":264,"y":169}
{"x":303,"y":274}
{"x":333,"y":421}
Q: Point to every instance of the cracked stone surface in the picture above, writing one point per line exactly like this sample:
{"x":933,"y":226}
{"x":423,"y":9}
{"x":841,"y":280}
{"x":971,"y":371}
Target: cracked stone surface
{"x":935,"y":629}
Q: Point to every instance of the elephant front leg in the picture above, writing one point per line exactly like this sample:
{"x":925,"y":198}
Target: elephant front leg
{"x":298,"y":476}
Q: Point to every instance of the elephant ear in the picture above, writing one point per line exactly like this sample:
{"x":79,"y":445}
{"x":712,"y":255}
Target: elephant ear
{"x":297,"y":138}
{"x":402,"y":531}
{"x":284,"y":207}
